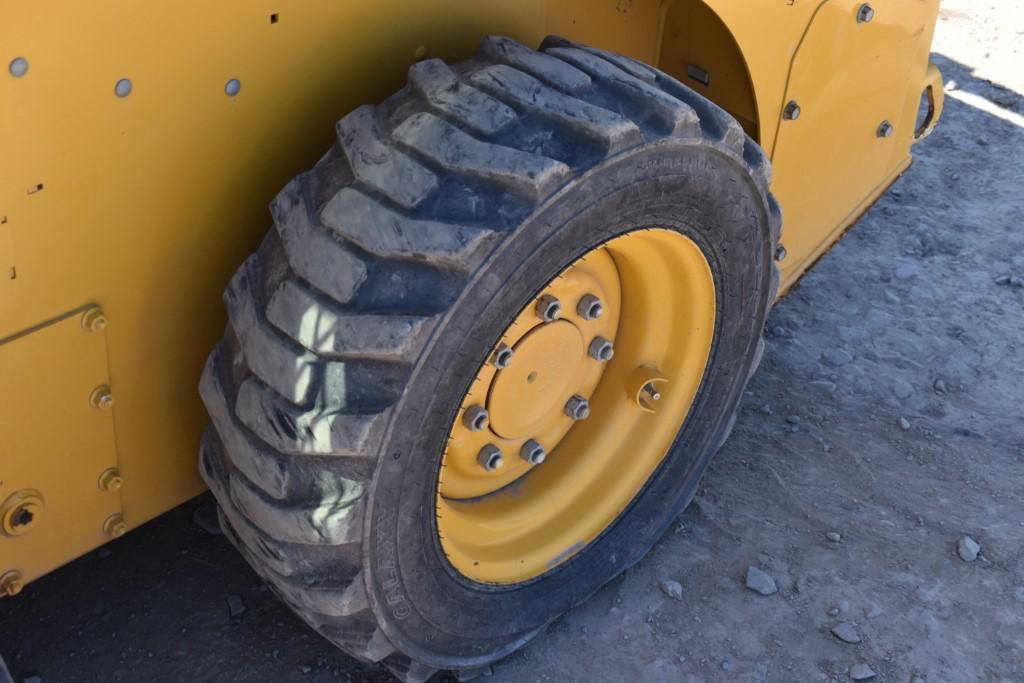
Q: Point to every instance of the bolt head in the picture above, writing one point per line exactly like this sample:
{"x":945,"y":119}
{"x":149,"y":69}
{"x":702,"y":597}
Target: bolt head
{"x":502,"y":357}
{"x":11,"y":583}
{"x":475,"y":418}
{"x":490,"y":458}
{"x":114,"y":526}
{"x":865,"y":13}
{"x":110,"y":480}
{"x":18,"y":67}
{"x":532,"y":452}
{"x":885,"y":129}
{"x":601,"y":349}
{"x":232,"y":87}
{"x":577,"y":407}
{"x":791,"y":112}
{"x":549,"y":308}
{"x":123,"y":88}
{"x":93,"y":320}
{"x":780,"y":253}
{"x":101,"y":398}
{"x":589,"y":307}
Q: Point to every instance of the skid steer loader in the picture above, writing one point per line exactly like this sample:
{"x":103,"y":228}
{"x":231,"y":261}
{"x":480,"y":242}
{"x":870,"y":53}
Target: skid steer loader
{"x":496,"y":331}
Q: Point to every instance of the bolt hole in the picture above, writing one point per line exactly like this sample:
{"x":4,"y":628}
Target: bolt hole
{"x":273,"y":18}
{"x":38,"y":187}
{"x":532,"y":377}
{"x":22,"y":517}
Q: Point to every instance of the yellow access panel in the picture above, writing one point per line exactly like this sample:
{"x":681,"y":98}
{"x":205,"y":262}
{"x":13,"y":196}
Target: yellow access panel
{"x":141,"y":144}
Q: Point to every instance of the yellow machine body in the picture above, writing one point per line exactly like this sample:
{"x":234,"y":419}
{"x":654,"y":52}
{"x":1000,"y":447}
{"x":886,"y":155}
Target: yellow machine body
{"x":143,"y":204}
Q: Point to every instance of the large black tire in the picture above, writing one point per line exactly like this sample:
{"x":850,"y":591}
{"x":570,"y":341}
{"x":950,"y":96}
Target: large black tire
{"x":393,"y":269}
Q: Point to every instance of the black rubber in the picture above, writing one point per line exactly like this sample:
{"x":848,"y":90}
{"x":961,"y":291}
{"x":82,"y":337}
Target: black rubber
{"x":395,"y":265}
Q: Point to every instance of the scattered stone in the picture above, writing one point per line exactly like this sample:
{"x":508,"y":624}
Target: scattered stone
{"x":834,"y":536}
{"x":1003,"y":280}
{"x":836,"y":357}
{"x":236,"y":606}
{"x":205,"y":517}
{"x":760,"y":582}
{"x":834,"y":612}
{"x":904,"y":424}
{"x":846,"y":632}
{"x":939,"y":386}
{"x":861,"y":672}
{"x":672,"y":589}
{"x":793,"y":419}
{"x":765,"y":409}
{"x":304,"y":669}
{"x":967,"y":548}
{"x":873,"y":611}
{"x":891,"y":297}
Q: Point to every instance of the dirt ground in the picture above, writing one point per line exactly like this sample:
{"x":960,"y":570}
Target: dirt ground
{"x":888,"y":411}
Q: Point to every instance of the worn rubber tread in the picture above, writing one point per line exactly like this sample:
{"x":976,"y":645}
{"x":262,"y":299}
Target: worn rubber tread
{"x":290,"y":455}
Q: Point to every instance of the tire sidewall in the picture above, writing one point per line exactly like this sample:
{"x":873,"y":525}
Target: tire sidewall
{"x":424,"y":605}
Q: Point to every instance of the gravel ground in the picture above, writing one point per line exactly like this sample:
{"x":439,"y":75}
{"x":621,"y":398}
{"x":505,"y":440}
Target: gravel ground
{"x":883,"y":431}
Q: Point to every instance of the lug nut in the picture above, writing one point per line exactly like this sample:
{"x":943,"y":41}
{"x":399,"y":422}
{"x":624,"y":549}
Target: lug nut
{"x":791,"y":112}
{"x":110,"y":480}
{"x":532,"y":452}
{"x":549,"y":308}
{"x":10,"y":583}
{"x":577,"y":407}
{"x":652,"y":392}
{"x":114,"y":526}
{"x":475,"y":418}
{"x":865,"y":13}
{"x":885,"y":129}
{"x":601,"y":349}
{"x":590,"y":307}
{"x":780,"y":253}
{"x":502,"y":357}
{"x":490,"y":457}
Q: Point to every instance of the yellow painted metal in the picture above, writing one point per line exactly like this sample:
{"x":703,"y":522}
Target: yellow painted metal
{"x":145,"y":203}
{"x":516,"y":522}
{"x":57,"y":446}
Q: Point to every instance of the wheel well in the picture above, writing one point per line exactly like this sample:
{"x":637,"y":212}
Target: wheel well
{"x":699,"y":49}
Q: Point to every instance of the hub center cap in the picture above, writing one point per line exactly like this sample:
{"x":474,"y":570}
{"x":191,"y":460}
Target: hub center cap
{"x":530,"y":393}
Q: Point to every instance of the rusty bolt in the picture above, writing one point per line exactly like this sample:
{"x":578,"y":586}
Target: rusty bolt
{"x":114,"y":526}
{"x":11,"y":583}
{"x":93,"y":320}
{"x":549,"y":308}
{"x":110,"y":480}
{"x":502,"y":357}
{"x":101,"y":398}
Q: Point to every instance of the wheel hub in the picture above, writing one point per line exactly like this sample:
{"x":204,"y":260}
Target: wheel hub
{"x":605,"y":363}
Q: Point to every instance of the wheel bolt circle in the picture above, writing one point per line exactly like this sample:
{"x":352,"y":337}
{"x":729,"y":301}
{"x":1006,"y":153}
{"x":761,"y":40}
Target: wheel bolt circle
{"x":490,"y":457}
{"x":577,"y":407}
{"x":601,"y":349}
{"x":476,"y":418}
{"x":532,"y":452}
{"x":589,"y":307}
{"x":549,"y":308}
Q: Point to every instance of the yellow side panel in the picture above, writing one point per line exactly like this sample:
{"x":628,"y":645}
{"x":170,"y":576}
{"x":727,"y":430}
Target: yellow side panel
{"x":55,"y":444}
{"x":848,"y":78}
{"x":145,"y":204}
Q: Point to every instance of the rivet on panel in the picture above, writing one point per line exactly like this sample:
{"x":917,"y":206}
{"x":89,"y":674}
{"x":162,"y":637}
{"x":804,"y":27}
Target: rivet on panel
{"x":114,"y":526}
{"x":11,"y":583}
{"x":18,"y":67}
{"x":101,"y":398}
{"x":232,"y":87}
{"x":93,"y":319}
{"x":123,"y":88}
{"x":110,"y":480}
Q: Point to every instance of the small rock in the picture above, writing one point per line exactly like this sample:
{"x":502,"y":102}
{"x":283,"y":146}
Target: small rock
{"x":873,"y":611}
{"x":861,"y":672}
{"x":846,"y":632}
{"x":834,"y":612}
{"x":672,"y":589}
{"x":836,"y":357}
{"x":905,"y":271}
{"x":779,"y":331}
{"x":951,"y":85}
{"x":939,"y":386}
{"x":891,"y":297}
{"x":967,"y":548}
{"x":765,"y":409}
{"x":760,"y":582}
{"x":726,"y":665}
{"x":793,"y":419}
{"x":834,"y":536}
{"x":902,"y":389}
{"x":904,"y":424}
{"x":236,"y":606}
{"x":1003,"y":280}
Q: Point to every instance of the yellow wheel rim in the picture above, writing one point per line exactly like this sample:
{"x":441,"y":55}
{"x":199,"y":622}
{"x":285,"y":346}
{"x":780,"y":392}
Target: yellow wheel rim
{"x":523,"y":486}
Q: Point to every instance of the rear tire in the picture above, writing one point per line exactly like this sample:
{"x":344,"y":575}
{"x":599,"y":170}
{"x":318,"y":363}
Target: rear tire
{"x":394,"y":266}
